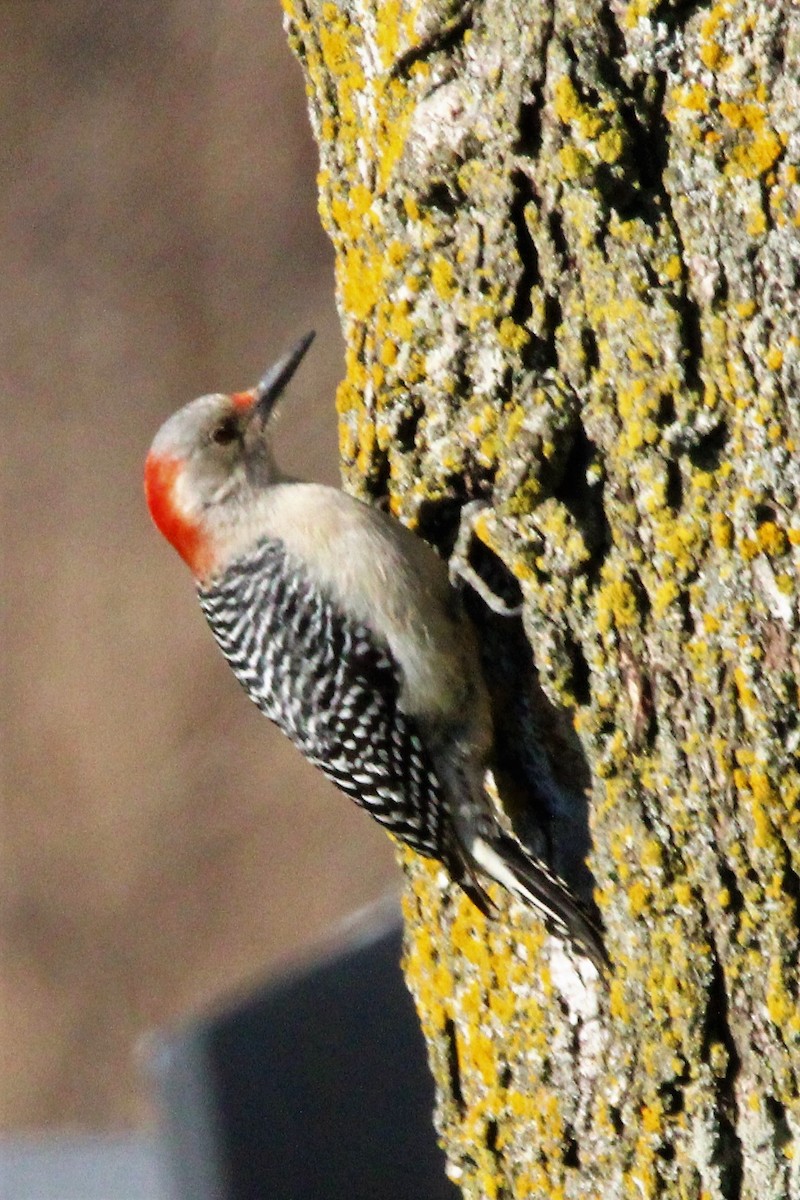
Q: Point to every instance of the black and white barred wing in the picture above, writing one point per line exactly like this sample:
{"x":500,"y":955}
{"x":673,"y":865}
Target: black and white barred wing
{"x":326,"y":682}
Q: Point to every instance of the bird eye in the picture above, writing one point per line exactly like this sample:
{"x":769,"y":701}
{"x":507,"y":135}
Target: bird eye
{"x":227,"y":431}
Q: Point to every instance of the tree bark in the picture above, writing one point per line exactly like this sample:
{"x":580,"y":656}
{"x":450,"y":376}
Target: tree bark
{"x":568,"y":253}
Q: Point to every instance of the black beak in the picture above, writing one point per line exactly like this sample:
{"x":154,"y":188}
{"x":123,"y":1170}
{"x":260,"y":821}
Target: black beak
{"x":274,"y":382}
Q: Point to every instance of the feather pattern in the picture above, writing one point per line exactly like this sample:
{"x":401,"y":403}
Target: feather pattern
{"x":326,"y":681}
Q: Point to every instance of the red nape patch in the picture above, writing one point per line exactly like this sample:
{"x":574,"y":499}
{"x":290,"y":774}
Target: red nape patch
{"x":243,"y":400}
{"x":160,"y":477}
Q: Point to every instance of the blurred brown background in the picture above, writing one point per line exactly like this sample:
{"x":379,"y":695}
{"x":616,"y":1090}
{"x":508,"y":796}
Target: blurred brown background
{"x":160,"y":845}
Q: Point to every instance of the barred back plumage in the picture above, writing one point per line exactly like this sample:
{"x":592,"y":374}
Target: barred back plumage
{"x":330,"y":686}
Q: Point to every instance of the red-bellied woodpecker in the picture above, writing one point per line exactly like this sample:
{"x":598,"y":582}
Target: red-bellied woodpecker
{"x":344,"y":629}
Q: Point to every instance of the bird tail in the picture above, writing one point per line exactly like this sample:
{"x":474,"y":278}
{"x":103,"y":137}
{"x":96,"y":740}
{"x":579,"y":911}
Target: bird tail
{"x":502,"y":859}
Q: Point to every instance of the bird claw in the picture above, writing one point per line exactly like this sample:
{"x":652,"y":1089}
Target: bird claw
{"x":462,"y":572}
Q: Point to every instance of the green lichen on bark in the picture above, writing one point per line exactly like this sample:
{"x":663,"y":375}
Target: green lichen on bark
{"x":568,"y":253}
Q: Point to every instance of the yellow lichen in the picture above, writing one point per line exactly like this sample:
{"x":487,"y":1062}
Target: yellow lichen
{"x":511,"y":335}
{"x":388,"y":353}
{"x":443,"y":277}
{"x":610,"y":145}
{"x":771,"y":539}
{"x":710,"y":51}
{"x":616,"y":605}
{"x":665,"y":595}
{"x":638,"y":897}
{"x":673,"y":267}
{"x":694,"y":97}
{"x":636,"y":11}
{"x":574,"y":162}
{"x":721,"y":531}
{"x":571,"y":111}
{"x":781,"y":1006}
{"x":756,"y":222}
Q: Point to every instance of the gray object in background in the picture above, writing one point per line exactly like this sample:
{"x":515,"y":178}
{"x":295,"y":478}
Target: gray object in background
{"x":317,"y":1088}
{"x":81,"y":1168}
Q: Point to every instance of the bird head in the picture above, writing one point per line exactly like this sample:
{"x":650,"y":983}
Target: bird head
{"x":208,"y":459}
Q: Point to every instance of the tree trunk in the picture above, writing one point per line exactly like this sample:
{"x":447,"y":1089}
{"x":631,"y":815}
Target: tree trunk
{"x":568,"y":252}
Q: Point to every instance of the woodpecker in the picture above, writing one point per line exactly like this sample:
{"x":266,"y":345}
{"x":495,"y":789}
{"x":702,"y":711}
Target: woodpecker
{"x":343,"y":627}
